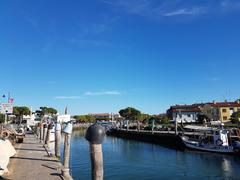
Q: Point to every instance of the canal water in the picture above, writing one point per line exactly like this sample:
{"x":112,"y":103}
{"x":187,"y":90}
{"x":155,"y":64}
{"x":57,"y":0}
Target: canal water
{"x":127,"y":159}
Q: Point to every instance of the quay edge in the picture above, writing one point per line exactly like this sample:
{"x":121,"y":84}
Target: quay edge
{"x":164,"y":139}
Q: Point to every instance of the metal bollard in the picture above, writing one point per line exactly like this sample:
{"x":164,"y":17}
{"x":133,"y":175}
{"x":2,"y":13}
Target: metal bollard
{"x":57,"y":139}
{"x":95,"y":135}
{"x":66,"y":157}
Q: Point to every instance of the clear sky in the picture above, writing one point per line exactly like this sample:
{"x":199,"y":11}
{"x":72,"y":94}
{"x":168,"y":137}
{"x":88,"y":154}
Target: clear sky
{"x":103,"y":55}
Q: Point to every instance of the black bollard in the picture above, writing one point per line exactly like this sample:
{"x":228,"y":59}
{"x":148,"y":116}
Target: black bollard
{"x":95,"y":135}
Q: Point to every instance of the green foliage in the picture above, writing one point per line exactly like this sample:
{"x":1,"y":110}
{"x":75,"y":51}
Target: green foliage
{"x":143,"y":117}
{"x":235,"y":117}
{"x":130,"y":113}
{"x":20,"y":111}
{"x":201,"y":118}
{"x":2,"y":118}
{"x":165,"y":120}
{"x":85,"y":118}
{"x":46,"y":110}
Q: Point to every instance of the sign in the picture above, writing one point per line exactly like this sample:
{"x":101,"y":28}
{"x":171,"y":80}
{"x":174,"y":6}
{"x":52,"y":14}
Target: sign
{"x":6,"y":108}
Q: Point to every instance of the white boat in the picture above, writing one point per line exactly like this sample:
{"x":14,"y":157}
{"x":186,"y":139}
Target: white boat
{"x":214,"y":140}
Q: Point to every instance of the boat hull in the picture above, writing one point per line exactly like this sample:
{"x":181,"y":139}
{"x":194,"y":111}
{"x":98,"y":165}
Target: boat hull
{"x":214,"y":149}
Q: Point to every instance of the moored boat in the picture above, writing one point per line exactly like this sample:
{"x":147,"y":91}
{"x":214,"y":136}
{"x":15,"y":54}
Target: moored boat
{"x":215,"y":140}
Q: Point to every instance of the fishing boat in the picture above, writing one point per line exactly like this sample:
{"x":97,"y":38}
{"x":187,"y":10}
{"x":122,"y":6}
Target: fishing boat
{"x":212,"y":140}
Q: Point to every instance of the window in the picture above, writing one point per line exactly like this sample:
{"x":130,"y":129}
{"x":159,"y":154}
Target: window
{"x":224,"y":110}
{"x":209,"y":111}
{"x":224,"y":117}
{"x":189,"y":115}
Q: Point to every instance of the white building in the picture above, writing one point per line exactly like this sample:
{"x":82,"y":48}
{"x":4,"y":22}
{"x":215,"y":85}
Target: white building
{"x":185,"y":113}
{"x":185,"y":116}
{"x":31,"y":120}
{"x":63,"y":118}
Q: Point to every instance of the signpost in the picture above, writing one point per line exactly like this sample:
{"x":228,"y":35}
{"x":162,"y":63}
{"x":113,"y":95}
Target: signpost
{"x":6,"y":108}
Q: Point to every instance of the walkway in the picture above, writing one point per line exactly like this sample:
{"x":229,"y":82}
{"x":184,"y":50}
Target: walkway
{"x":32,"y":162}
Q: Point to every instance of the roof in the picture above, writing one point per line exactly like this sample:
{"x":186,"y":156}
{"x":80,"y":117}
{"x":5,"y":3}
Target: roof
{"x":225,"y":104}
{"x":187,"y":110}
{"x":102,"y":114}
{"x":187,"y":106}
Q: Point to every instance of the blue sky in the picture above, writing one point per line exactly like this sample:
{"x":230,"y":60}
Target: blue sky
{"x":104,"y":55}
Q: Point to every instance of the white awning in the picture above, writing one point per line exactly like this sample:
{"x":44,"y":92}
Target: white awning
{"x":199,"y":128}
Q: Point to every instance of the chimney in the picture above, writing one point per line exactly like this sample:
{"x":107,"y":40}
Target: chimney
{"x":238,"y":101}
{"x":214,"y":102}
{"x":225,"y":101}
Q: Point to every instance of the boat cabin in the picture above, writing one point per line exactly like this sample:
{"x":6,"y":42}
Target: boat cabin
{"x":220,"y":137}
{"x":217,"y":136}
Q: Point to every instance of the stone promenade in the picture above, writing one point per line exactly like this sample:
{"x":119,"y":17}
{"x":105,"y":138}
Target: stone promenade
{"x":32,"y":162}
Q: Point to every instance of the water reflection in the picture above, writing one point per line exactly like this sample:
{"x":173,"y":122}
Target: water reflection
{"x":126,"y":159}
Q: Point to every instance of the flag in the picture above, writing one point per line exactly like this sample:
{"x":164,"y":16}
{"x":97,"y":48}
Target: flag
{"x":10,"y":100}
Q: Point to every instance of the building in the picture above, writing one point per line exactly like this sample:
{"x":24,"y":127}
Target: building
{"x":102,"y":116}
{"x":184,"y":113}
{"x":222,"y":111}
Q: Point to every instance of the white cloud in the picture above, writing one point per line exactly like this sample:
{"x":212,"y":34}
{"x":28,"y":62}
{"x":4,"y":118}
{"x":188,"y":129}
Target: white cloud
{"x":214,"y":79}
{"x":102,"y":93}
{"x":68,"y":97}
{"x":230,"y":5}
{"x":192,"y":11}
{"x":167,"y":8}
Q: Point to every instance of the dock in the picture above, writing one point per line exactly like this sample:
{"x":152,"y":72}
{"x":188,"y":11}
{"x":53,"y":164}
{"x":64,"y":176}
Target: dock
{"x":32,"y":162}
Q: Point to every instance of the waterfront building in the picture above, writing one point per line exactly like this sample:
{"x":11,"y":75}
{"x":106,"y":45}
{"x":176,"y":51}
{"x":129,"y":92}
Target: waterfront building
{"x":222,"y":111}
{"x":184,"y":113}
{"x":102,"y":116}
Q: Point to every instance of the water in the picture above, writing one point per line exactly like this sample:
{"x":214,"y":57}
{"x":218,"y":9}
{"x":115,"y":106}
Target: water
{"x":126,"y":159}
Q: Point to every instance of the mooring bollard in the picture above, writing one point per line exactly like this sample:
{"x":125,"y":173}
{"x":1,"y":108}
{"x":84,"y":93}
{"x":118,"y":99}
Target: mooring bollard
{"x":38,"y":131}
{"x":176,"y":126}
{"x":45,"y":127}
{"x":41,"y":131}
{"x":138,"y":126}
{"x":67,"y":130}
{"x":153,"y":126}
{"x":95,"y":135}
{"x":48,"y":134}
{"x":57,"y":139}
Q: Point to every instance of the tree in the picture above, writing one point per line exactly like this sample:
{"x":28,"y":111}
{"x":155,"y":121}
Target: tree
{"x":2,"y":118}
{"x":20,"y":111}
{"x":202,"y":118}
{"x":130,"y":113}
{"x":235,"y":117}
{"x":143,"y":117}
{"x":85,"y":118}
{"x":46,"y":110}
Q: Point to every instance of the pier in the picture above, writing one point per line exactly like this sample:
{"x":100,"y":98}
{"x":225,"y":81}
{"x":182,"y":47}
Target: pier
{"x":32,"y":162}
